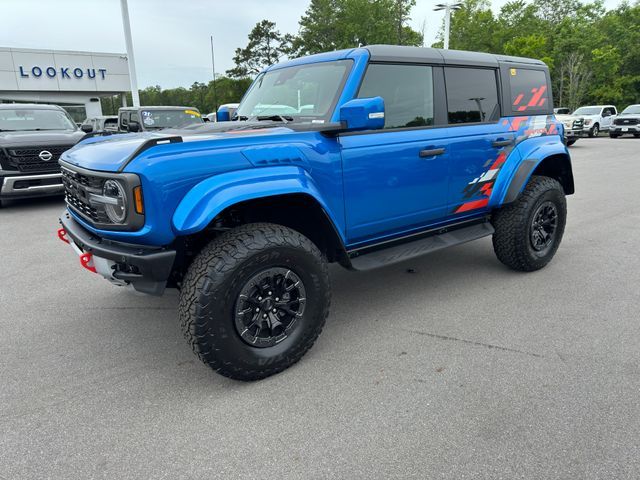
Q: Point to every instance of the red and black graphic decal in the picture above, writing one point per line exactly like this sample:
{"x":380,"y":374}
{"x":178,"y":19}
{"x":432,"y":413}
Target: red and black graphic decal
{"x":537,"y":99}
{"x":477,"y":193}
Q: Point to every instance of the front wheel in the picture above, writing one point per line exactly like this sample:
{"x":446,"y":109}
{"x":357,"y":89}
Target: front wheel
{"x":613,"y":135}
{"x":528,"y":231}
{"x":254,"y":300}
{"x":595,"y":131}
{"x":571,"y":142}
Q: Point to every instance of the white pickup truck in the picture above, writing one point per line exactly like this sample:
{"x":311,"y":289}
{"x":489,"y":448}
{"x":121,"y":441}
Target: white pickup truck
{"x":597,"y":118}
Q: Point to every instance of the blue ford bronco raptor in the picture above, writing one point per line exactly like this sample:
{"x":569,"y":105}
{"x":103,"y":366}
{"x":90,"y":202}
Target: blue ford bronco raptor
{"x":365,"y":157}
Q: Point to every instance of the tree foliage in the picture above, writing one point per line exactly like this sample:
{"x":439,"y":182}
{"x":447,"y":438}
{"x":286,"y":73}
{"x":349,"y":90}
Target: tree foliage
{"x":335,"y":24}
{"x":265,"y":47}
{"x":593,"y":54}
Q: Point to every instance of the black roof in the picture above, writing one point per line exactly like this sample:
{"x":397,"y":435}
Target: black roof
{"x":29,"y":106}
{"x":395,"y":53}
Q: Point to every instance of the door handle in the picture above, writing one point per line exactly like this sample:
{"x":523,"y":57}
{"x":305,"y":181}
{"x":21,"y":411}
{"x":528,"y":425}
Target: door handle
{"x":431,"y":152}
{"x":502,"y":143}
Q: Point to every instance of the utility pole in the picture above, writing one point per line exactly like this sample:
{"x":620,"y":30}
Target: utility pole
{"x":447,"y":7}
{"x":132,"y":62}
{"x":213,"y":70}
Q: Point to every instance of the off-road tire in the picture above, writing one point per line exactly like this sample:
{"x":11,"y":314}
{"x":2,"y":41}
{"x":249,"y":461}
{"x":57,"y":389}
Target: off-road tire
{"x":216,"y":278}
{"x":595,"y":130}
{"x":513,"y":225}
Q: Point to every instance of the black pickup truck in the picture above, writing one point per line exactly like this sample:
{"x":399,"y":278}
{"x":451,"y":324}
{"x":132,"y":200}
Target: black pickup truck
{"x":32,"y":138}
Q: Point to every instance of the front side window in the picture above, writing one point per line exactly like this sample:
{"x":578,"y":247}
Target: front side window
{"x":472,"y":95}
{"x":407,"y":91}
{"x":299,"y":93}
{"x":529,"y":90}
{"x":21,"y":119}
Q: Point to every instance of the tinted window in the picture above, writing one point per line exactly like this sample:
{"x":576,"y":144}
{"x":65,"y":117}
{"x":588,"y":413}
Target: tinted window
{"x":472,"y":95}
{"x":407,"y":91}
{"x":123,"y":118}
{"x":134,"y":117}
{"x":529,"y":90}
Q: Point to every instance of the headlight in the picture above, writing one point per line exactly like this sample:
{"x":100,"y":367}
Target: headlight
{"x":116,"y":201}
{"x":587,"y":122}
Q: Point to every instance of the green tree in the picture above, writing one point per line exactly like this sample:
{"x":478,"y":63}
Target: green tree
{"x":265,"y":47}
{"x":336,"y":24}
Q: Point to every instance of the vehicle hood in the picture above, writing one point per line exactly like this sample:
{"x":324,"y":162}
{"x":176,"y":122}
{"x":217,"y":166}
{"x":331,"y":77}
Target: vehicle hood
{"x":112,"y":153}
{"x":566,"y":117}
{"x":626,"y":116}
{"x":42,"y":138}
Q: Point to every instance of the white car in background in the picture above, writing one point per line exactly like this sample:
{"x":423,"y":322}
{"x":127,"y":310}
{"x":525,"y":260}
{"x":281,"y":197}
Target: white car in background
{"x":597,"y":118}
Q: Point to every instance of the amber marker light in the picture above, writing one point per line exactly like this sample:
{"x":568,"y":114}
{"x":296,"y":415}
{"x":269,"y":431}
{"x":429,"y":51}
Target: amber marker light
{"x":137,"y":200}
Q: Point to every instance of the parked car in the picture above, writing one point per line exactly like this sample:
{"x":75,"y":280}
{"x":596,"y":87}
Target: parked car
{"x":562,"y":111}
{"x":364,"y":157}
{"x":224,"y":113}
{"x":573,"y":125}
{"x":105,"y":123}
{"x":145,"y":119}
{"x":32,"y":138}
{"x":597,"y":118}
{"x":628,"y":122}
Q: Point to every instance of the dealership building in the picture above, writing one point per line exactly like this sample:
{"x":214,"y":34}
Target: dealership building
{"x":74,"y":80}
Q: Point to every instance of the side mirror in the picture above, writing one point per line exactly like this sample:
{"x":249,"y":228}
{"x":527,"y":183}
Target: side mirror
{"x":363,"y":114}
{"x":86,"y":128}
{"x":223,"y":114}
{"x":133,"y":126}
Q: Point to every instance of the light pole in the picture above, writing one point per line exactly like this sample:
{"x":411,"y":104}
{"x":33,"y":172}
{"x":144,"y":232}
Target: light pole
{"x":213,"y":69}
{"x":132,"y":63}
{"x":447,"y":7}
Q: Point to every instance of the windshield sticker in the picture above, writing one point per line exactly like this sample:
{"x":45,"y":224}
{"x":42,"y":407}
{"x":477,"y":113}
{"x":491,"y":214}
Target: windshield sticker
{"x":148,"y":120}
{"x":146,"y":114}
{"x":192,"y":112}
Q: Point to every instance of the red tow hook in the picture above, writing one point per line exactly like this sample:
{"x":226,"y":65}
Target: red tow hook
{"x":86,"y":260}
{"x":62,"y":235}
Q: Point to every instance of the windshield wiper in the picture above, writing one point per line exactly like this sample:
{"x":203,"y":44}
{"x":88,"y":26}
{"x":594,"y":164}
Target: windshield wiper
{"x":283,"y":118}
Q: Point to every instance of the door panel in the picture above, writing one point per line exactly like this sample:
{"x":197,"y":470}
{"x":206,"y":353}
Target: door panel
{"x":394,"y":181}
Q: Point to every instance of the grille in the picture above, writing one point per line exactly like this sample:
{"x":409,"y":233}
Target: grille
{"x":27,"y":159}
{"x":78,"y":187}
{"x":578,"y":123}
{"x":626,"y":121}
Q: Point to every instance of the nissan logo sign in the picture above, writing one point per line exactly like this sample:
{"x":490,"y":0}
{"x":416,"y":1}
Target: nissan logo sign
{"x":45,"y":155}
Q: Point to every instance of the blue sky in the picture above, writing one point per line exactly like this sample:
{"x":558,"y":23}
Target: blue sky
{"x":171,"y":38}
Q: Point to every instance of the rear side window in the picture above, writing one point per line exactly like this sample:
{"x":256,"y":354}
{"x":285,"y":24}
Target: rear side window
{"x":529,"y":90}
{"x":407,"y":91}
{"x":472,"y":95}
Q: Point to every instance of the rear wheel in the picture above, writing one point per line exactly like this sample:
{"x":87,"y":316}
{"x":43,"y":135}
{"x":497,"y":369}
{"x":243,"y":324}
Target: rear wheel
{"x":595,"y":131}
{"x":528,"y":231}
{"x":254,"y":300}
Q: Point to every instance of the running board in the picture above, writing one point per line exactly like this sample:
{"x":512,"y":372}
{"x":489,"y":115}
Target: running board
{"x":417,"y":248}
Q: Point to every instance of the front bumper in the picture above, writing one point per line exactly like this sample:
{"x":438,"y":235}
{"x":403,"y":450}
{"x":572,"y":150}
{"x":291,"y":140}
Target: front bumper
{"x":145,"y":268}
{"x":622,"y":129}
{"x":19,"y":185}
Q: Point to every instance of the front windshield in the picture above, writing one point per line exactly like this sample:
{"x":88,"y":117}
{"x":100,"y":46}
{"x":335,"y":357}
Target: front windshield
{"x":587,"y":111}
{"x":300,"y":93}
{"x":21,"y":120}
{"x":156,"y":119}
{"x":631,"y":109}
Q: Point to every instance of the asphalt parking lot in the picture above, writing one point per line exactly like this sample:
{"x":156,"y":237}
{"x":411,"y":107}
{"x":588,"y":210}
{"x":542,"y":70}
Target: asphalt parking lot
{"x":461,"y":369}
